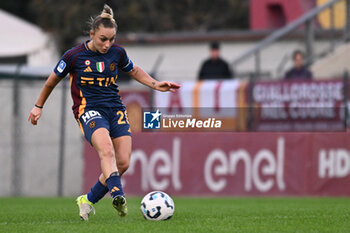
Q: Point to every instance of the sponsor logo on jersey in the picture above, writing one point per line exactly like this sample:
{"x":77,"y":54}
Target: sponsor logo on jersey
{"x":88,"y":69}
{"x":151,"y":120}
{"x":61,"y":66}
{"x":87,"y":62}
{"x":100,"y":81}
{"x":100,"y":66}
{"x":112,"y":66}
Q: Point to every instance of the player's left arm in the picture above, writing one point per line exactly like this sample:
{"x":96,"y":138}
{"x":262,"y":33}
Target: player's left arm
{"x":142,"y":77}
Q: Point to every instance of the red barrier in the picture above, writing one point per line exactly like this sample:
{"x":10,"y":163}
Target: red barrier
{"x":224,"y":164}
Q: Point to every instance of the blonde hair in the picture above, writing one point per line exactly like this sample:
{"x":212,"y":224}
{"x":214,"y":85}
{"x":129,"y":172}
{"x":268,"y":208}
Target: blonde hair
{"x":106,"y":18}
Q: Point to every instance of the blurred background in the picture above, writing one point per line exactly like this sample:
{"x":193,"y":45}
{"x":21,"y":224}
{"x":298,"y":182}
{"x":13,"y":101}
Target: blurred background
{"x":287,"y":57}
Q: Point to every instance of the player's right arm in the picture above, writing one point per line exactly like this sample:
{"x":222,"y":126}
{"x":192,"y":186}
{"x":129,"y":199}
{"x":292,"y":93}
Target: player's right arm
{"x":50,"y":84}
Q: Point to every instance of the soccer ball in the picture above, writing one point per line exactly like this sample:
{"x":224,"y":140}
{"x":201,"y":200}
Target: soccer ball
{"x":157,"y":205}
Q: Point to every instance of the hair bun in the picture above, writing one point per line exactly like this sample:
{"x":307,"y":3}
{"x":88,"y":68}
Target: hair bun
{"x":107,"y":12}
{"x":105,"y":18}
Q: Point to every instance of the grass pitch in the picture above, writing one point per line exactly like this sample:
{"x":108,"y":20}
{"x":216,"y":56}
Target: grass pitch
{"x":191,"y":215}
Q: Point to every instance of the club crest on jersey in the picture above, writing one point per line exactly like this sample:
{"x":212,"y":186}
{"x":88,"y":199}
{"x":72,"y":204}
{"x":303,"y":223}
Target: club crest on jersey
{"x":100,"y":66}
{"x":112,"y":66}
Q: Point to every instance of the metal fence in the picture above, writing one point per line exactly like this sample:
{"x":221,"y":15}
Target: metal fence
{"x":34,"y":159}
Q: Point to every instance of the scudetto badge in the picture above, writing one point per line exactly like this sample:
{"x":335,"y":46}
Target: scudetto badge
{"x":100,"y":66}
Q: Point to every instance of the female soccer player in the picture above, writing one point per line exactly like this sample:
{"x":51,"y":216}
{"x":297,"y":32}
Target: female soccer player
{"x":101,"y":115}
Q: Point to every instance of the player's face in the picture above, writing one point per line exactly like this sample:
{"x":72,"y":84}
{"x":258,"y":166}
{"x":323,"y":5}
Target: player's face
{"x":103,"y":38}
